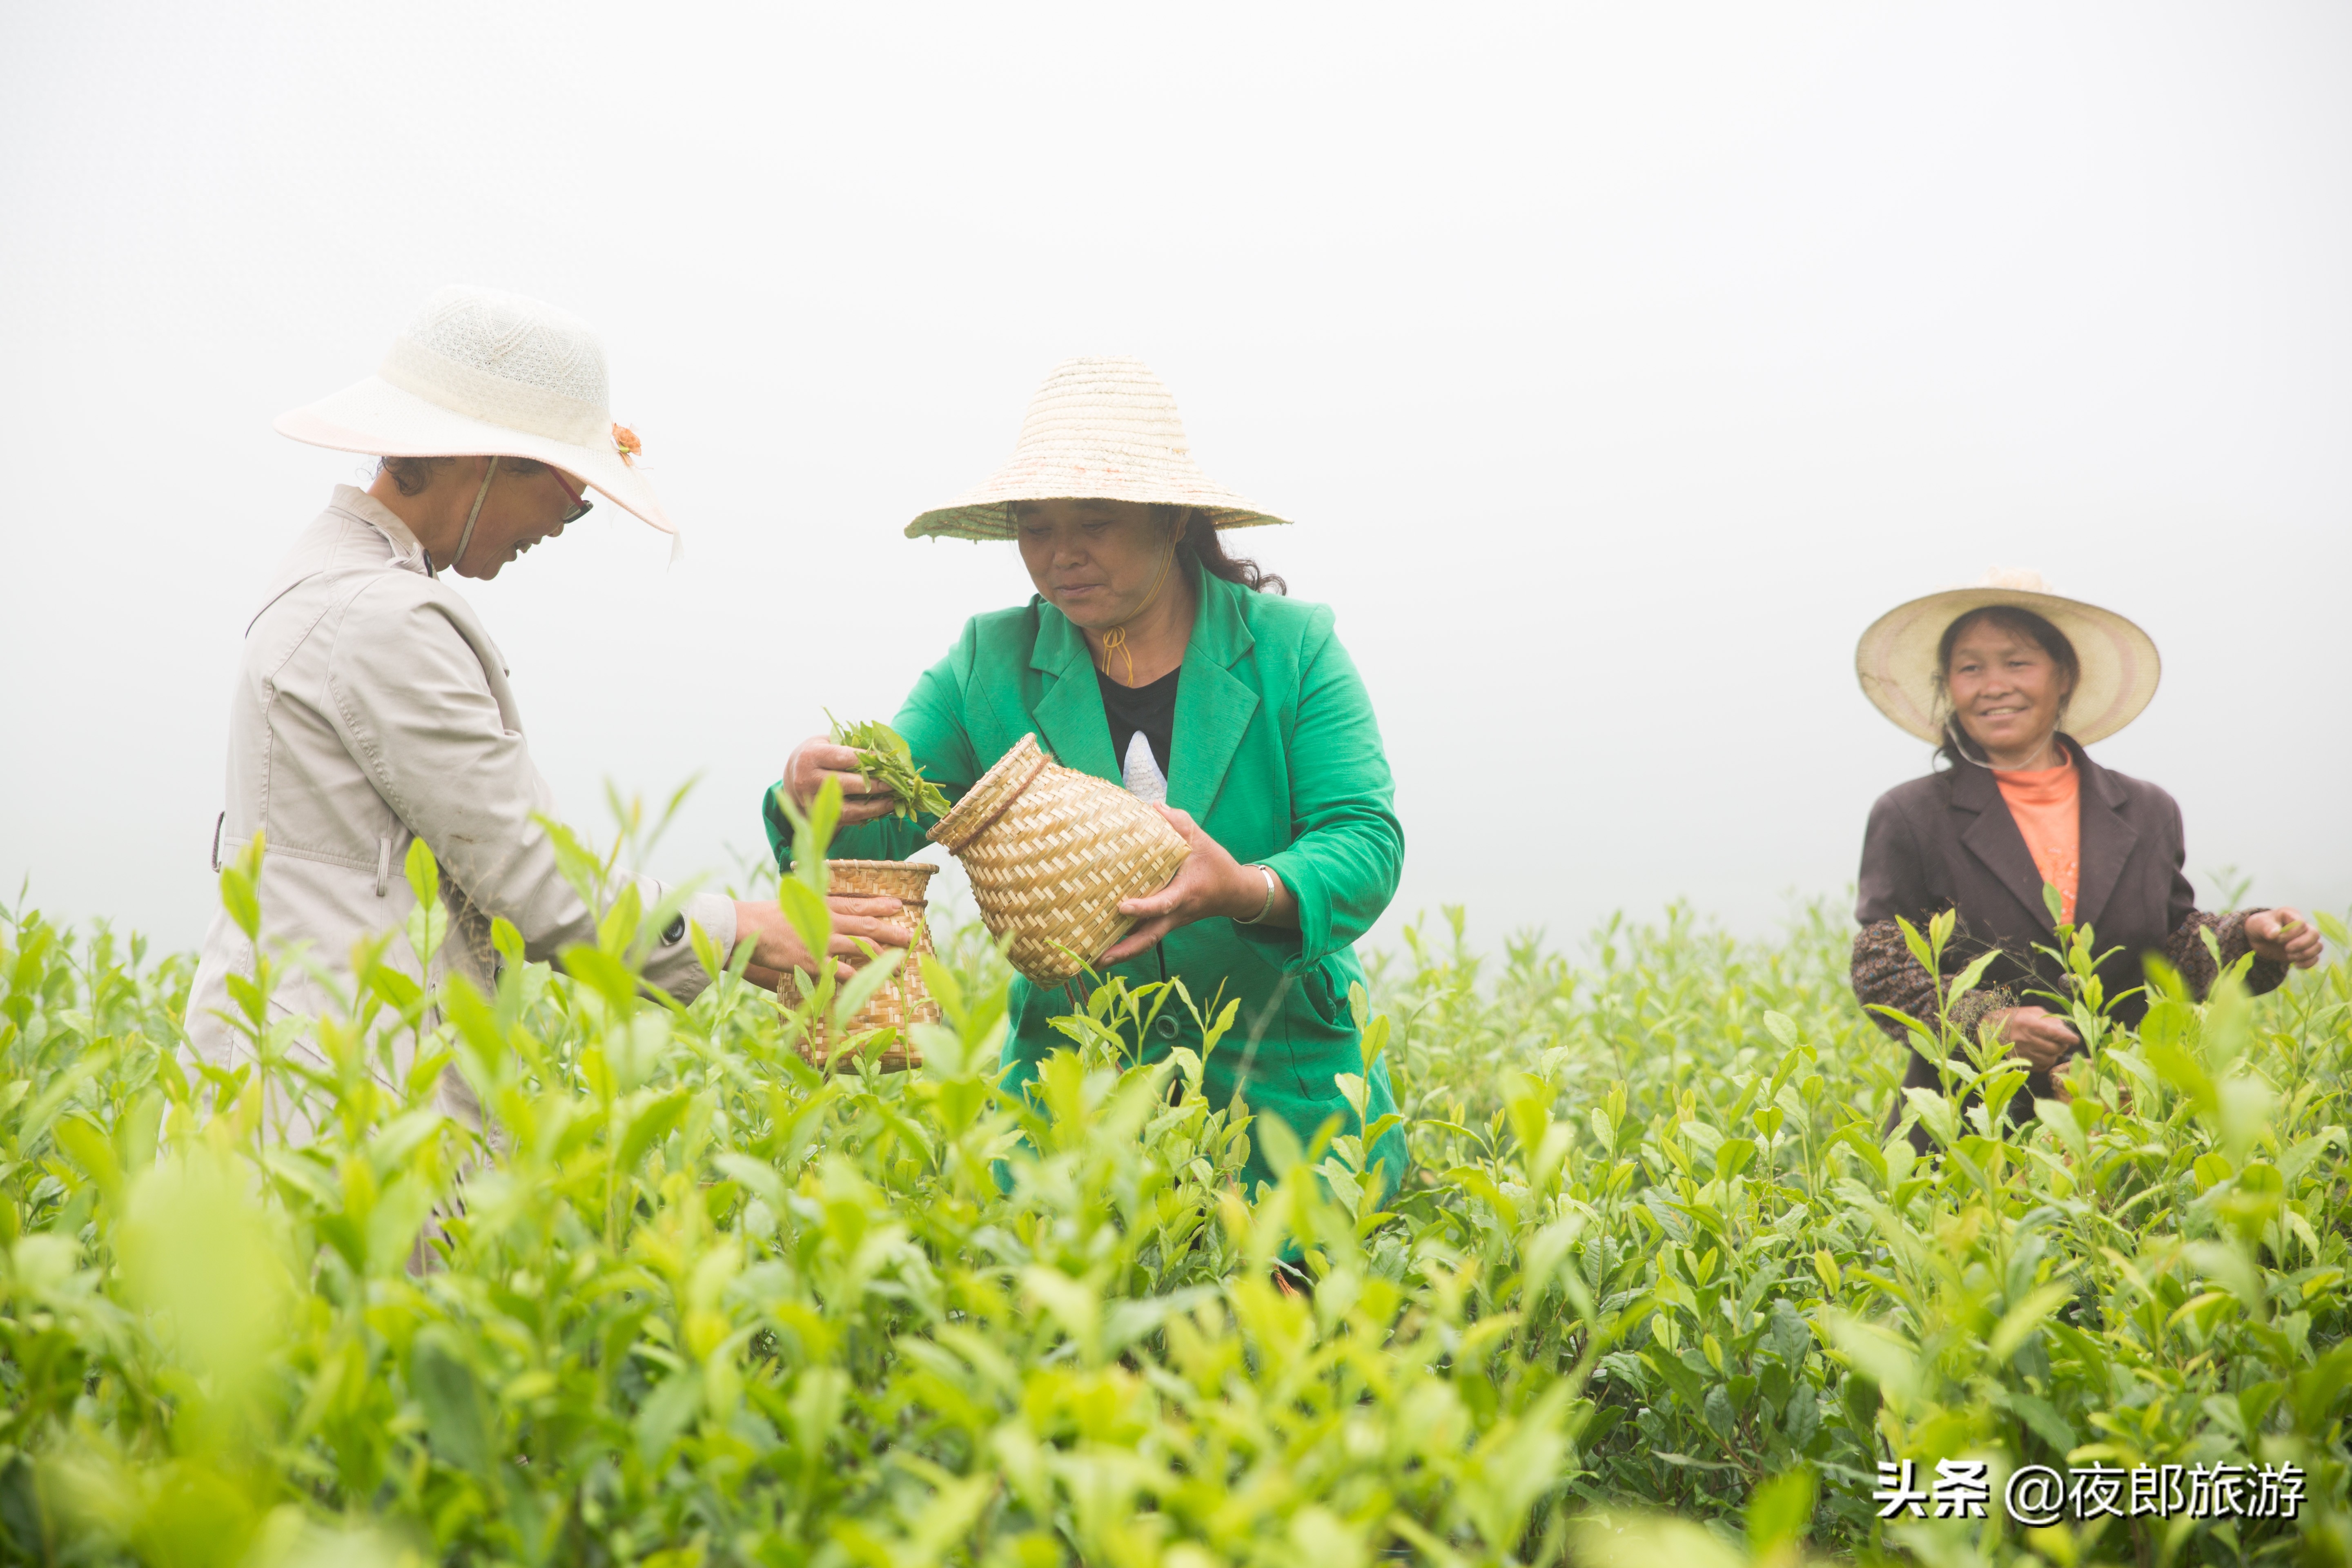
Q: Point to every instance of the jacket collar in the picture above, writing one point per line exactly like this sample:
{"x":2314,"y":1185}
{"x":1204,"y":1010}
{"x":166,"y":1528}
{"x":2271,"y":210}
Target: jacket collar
{"x":2104,"y":839}
{"x":329,"y":543}
{"x":1069,"y":715}
{"x":1213,"y":706}
{"x":2107,"y":839}
{"x":406,"y":553}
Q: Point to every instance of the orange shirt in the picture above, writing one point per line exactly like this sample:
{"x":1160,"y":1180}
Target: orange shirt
{"x":2046,"y":804}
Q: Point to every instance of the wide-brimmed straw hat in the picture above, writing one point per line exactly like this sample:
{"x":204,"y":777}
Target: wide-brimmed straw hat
{"x":1101,"y":429}
{"x":1897,"y":658}
{"x":483,"y":373}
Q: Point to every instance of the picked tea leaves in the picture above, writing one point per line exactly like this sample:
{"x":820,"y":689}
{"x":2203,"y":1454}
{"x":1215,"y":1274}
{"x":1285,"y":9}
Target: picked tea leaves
{"x":883,"y":758}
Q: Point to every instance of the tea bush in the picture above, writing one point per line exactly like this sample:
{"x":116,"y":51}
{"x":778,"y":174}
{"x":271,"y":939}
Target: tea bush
{"x":693,"y":1302}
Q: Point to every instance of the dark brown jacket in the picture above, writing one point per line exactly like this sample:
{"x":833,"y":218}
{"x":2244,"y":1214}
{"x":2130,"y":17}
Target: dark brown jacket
{"x":1948,"y":841}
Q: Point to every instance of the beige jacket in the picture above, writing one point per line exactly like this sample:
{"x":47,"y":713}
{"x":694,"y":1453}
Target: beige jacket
{"x":373,"y":710}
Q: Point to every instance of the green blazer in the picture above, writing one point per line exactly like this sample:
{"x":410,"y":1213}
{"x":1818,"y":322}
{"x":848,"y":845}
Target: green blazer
{"x":1275,"y":754}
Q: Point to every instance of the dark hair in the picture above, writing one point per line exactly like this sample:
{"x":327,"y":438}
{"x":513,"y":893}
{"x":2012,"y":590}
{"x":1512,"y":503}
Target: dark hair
{"x":1202,"y":543}
{"x":2018,"y":621}
{"x":411,"y":475}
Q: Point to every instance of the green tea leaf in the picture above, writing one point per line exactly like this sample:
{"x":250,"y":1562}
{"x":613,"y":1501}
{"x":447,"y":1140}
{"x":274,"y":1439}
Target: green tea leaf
{"x":884,"y":758}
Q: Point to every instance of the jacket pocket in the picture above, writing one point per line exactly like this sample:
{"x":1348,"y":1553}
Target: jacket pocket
{"x":1323,"y":994}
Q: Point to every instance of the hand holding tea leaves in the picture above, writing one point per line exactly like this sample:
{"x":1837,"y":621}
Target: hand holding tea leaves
{"x":875,"y":769}
{"x":2036,"y":1035}
{"x":2283,"y":936}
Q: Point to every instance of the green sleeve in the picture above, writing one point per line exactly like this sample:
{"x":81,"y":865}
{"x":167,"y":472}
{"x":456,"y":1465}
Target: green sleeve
{"x":1347,"y":847}
{"x":931,"y":721}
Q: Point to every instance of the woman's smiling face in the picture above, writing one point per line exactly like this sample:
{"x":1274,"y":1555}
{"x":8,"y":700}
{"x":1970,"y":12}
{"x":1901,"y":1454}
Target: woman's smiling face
{"x":2006,"y":690}
{"x":1097,"y":562}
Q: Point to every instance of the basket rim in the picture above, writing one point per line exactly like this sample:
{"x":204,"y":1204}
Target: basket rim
{"x":925,"y":867}
{"x":977,"y":802}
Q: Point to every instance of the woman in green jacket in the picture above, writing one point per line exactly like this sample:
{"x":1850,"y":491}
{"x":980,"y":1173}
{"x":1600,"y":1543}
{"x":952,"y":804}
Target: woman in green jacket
{"x":1152,"y":658}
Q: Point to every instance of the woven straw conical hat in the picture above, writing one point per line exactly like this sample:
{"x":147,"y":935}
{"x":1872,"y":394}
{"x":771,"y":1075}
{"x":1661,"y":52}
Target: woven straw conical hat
{"x":1896,"y":656}
{"x":1103,"y":429}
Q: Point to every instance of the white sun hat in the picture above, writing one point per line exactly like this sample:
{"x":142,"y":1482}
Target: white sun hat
{"x":478,"y":372}
{"x":1101,"y":429}
{"x":1897,"y":658}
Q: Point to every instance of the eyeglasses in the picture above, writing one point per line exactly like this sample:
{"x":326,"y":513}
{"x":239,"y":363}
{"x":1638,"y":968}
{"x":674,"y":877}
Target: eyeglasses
{"x":580,"y":505}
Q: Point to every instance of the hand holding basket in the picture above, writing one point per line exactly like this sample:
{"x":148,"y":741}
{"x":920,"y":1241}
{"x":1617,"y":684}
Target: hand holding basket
{"x":1051,"y":853}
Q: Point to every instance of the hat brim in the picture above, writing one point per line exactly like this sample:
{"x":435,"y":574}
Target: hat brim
{"x":373,"y":416}
{"x":985,"y":511}
{"x":994,"y":519}
{"x":1895,"y":659}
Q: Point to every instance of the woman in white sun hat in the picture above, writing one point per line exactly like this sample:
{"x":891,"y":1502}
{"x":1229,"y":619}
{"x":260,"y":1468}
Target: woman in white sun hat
{"x":2012,"y":682}
{"x":371,"y":709}
{"x":1150,"y":657}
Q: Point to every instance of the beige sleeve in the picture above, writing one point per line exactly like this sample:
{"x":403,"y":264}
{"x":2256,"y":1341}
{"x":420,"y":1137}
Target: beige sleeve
{"x":417,"y":713}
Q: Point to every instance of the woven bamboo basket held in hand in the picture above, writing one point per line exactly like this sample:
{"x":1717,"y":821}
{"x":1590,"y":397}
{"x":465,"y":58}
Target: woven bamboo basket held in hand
{"x":1051,"y":853}
{"x":902,"y":1000}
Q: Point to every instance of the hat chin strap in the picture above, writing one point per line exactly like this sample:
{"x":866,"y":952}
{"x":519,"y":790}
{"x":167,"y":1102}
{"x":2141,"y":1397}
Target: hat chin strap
{"x":1115,"y":640}
{"x":474,"y":516}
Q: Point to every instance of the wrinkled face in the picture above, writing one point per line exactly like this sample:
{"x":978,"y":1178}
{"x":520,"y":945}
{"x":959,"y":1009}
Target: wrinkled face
{"x":1098,"y":562}
{"x":2006,"y":690}
{"x":522,"y":509}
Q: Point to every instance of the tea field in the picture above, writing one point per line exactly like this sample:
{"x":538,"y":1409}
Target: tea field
{"x":1659,"y":1289}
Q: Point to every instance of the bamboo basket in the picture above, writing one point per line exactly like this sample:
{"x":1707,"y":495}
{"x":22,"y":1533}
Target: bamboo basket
{"x":1051,"y":852}
{"x":901,"y":1002}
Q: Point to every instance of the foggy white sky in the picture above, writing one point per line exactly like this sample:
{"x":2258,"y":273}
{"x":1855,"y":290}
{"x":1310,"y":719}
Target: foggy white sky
{"x":1620,"y":363}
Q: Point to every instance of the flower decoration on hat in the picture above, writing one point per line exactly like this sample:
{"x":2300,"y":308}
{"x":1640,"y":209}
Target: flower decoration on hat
{"x":626,"y":440}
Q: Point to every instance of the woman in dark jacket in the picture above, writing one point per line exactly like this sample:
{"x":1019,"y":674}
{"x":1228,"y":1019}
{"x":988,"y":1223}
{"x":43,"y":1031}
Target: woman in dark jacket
{"x":2022,"y":817}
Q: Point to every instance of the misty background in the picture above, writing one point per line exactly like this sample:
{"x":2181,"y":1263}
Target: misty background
{"x":1620,"y":364}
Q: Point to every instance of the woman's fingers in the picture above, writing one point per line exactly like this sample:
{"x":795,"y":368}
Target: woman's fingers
{"x":854,"y":940}
{"x":860,"y":801}
{"x":1193,"y":893}
{"x":2041,"y":1045}
{"x":848,"y":931}
{"x":874,"y":918}
{"x":1159,"y":903}
{"x":855,"y":784}
{"x":2037,"y":1035}
{"x":818,"y":759}
{"x":1181,"y":820}
{"x":878,"y":906}
{"x":2296,"y":940}
{"x":769,"y":979}
{"x":1142,"y":939}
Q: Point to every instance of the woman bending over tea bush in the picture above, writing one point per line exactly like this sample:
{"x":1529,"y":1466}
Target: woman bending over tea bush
{"x":1150,"y":657}
{"x":372,"y":711}
{"x":2022,"y":833}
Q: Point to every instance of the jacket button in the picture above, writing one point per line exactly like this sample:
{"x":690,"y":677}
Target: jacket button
{"x":1166,"y":1028}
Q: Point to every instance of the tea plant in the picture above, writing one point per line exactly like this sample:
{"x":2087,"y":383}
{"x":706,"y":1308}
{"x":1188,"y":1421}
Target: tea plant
{"x":688,"y":1301}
